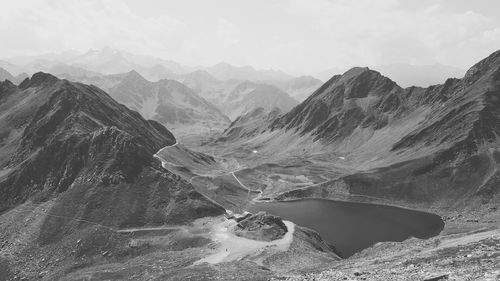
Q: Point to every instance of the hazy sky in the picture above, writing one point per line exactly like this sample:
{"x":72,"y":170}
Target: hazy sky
{"x":298,"y":36}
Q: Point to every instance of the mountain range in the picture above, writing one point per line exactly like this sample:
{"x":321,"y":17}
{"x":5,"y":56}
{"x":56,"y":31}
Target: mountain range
{"x":80,"y":171}
{"x":167,"y":101}
{"x":111,"y":61}
{"x":410,"y":144}
{"x":225,"y":71}
{"x":75,"y":165}
{"x":94,"y":184}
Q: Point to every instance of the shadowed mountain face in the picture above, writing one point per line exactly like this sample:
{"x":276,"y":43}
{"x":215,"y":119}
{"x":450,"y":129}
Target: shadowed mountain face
{"x":167,"y":101}
{"x":67,"y":140}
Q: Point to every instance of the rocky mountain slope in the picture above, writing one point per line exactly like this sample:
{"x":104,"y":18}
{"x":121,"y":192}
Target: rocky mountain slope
{"x":168,"y":102}
{"x":250,"y":124}
{"x":341,"y":104}
{"x":436,"y":146}
{"x":75,"y":166}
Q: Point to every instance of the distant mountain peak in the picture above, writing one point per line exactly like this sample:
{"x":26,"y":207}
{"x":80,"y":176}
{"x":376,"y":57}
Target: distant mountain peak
{"x":134,"y":75}
{"x":202,"y":74}
{"x":109,"y":50}
{"x":38,"y":79}
{"x":355,"y":71}
{"x":5,"y":75}
{"x":359,"y":82}
{"x":224,"y":71}
{"x":228,"y":65}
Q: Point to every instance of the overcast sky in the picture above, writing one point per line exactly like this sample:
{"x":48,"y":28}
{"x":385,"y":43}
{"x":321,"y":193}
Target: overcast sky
{"x":298,"y":36}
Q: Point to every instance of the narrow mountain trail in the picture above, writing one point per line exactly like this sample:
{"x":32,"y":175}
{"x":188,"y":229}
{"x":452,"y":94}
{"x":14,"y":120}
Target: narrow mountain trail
{"x":157,"y":156}
{"x":256,"y":199}
{"x":227,"y":164}
{"x":141,"y":229}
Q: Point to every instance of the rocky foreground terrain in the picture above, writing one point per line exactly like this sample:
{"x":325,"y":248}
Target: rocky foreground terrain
{"x":467,"y":249}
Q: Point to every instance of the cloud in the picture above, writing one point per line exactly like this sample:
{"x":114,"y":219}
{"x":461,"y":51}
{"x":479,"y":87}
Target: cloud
{"x":227,"y":32}
{"x":302,"y":36}
{"x":36,"y":26}
{"x":374,"y":32}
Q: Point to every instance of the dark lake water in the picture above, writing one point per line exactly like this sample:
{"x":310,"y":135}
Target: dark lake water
{"x":351,"y":227}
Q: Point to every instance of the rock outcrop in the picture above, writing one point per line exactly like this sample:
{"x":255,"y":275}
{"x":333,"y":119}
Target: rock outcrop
{"x":261,"y":226}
